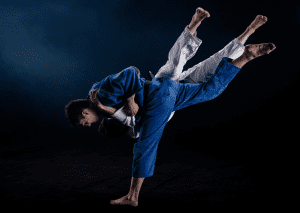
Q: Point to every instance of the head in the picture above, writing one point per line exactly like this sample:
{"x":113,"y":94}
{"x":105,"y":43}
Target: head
{"x":112,"y":128}
{"x":81,"y":112}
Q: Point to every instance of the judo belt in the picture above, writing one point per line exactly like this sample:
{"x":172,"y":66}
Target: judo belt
{"x":146,"y":89}
{"x":131,"y":131}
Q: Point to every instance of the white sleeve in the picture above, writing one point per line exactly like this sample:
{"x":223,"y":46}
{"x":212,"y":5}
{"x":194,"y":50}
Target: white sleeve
{"x":121,"y":116}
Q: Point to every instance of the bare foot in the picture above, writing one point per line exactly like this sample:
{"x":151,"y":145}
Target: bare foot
{"x":258,"y":21}
{"x":255,"y":50}
{"x":199,"y":16}
{"x":124,"y":201}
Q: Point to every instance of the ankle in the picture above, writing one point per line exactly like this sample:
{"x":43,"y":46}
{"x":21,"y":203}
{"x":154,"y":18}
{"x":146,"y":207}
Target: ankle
{"x":241,"y":61}
{"x":250,"y":30}
{"x":245,"y":35}
{"x":132,"y":197}
{"x":193,"y":27}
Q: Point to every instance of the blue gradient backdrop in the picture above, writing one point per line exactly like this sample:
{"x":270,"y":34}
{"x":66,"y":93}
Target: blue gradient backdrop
{"x":52,"y":52}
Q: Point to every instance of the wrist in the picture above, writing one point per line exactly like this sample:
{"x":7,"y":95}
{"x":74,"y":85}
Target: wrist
{"x":108,"y":110}
{"x":131,"y":99}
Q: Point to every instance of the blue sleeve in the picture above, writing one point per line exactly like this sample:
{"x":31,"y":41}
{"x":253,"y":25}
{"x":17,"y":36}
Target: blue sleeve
{"x":115,"y":89}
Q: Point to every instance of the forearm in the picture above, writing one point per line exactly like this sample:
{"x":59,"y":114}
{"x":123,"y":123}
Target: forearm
{"x":111,"y":110}
{"x":130,"y":108}
{"x":108,"y":110}
{"x":131,"y":99}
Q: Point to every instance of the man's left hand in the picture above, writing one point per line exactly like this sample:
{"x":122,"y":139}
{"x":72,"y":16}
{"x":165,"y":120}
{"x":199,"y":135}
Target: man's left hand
{"x":94,"y":99}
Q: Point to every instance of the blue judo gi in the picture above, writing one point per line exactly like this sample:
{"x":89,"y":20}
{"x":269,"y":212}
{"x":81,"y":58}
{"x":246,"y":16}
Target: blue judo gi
{"x":183,"y":50}
{"x":164,"y":96}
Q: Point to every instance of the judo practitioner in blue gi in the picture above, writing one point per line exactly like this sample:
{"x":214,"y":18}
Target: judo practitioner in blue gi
{"x":146,"y":109}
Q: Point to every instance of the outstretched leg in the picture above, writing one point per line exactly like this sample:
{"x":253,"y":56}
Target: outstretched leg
{"x":258,"y":21}
{"x":184,"y":48}
{"x":206,"y":69}
{"x":190,"y":94}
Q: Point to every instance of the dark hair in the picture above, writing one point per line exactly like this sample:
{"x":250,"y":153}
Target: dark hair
{"x":74,"y":108}
{"x":112,"y":128}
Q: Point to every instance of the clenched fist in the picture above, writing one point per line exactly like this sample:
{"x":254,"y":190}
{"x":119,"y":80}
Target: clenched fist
{"x":108,"y":111}
{"x":130,"y":107}
{"x":94,"y":98}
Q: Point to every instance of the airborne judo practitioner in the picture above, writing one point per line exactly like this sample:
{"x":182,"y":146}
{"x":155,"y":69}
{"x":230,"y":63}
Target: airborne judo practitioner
{"x":142,"y":108}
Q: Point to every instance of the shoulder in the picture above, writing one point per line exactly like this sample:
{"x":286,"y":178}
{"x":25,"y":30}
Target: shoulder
{"x":136,"y":70}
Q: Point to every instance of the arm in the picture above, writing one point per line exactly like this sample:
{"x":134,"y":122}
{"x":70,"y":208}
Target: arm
{"x":130,"y":107}
{"x":117,"y":90}
{"x":106,"y":110}
{"x":131,"y":98}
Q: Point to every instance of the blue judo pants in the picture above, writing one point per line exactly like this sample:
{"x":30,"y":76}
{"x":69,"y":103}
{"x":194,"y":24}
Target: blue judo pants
{"x":166,"y":95}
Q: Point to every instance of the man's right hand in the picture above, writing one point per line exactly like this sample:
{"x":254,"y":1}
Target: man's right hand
{"x":131,"y":108}
{"x":94,"y":99}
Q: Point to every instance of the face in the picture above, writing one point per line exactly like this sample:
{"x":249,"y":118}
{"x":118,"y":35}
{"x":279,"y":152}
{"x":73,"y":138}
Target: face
{"x":89,"y":117}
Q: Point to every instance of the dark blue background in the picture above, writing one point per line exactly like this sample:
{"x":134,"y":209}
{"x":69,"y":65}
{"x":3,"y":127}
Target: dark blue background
{"x":73,"y":44}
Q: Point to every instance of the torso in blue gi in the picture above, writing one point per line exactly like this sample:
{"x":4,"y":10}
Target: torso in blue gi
{"x":115,"y":89}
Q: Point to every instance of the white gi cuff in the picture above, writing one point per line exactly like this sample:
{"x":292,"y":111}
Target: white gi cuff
{"x":121,"y":116}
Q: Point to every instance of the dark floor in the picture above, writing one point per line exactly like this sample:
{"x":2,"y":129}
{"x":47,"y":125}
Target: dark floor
{"x":94,"y":173}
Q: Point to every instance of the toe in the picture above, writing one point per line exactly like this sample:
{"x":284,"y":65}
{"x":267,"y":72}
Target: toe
{"x":203,"y":13}
{"x":265,"y":18}
{"x":270,"y":47}
{"x":273,"y":46}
